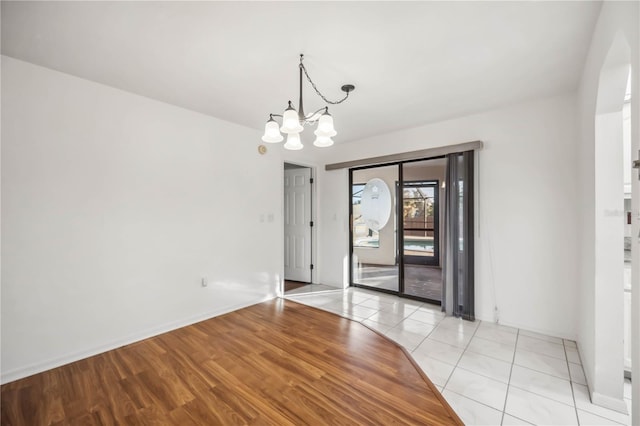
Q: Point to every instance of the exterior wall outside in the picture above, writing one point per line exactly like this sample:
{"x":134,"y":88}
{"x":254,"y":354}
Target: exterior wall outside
{"x":385,"y":254}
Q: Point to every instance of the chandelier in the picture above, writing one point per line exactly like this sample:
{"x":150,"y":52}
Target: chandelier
{"x":293,"y":121}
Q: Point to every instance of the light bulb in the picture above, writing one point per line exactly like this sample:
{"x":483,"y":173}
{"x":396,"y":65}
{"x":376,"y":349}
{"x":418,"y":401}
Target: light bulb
{"x":272,"y":132}
{"x":323,"y":141}
{"x":325,"y":126}
{"x":293,"y":142}
{"x":290,"y":121}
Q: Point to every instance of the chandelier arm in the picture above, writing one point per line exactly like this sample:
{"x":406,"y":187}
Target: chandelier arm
{"x":303,"y":68}
{"x":300,"y":105}
{"x":308,"y":116}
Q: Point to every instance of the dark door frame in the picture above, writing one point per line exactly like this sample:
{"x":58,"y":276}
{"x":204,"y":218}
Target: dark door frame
{"x":399,"y":235}
{"x":425,"y":260}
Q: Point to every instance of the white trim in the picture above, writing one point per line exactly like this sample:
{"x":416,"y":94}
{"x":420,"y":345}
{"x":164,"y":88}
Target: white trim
{"x":550,"y":333}
{"x":39,"y":367}
{"x":406,"y":156}
{"x":314,"y":218}
{"x":608,"y":402}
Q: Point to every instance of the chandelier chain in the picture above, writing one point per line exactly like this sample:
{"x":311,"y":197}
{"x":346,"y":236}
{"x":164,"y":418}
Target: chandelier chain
{"x":318,"y":91}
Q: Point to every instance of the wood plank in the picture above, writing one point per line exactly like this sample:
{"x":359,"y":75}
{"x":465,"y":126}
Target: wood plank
{"x":277,"y":362}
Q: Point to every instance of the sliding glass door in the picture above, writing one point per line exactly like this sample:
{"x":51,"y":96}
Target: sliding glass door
{"x":396,"y":228}
{"x":412,"y":230}
{"x":422,"y":222}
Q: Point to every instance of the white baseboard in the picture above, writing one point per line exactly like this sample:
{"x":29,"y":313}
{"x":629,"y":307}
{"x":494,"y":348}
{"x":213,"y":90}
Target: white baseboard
{"x":29,"y":370}
{"x":551,"y":333}
{"x":608,"y":402}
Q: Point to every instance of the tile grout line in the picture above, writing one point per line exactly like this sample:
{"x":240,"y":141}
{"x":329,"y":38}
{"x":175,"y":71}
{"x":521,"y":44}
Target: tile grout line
{"x":466,"y":349}
{"x":480,"y":403}
{"x":488,"y":406}
{"x":377,"y":311}
{"x":484,"y":354}
{"x":542,"y":339}
{"x":396,"y":324}
{"x":461,"y":355}
{"x":573,"y":394}
{"x":587,"y":386}
{"x":428,"y":334}
{"x":544,"y":372}
{"x":407,"y":317}
{"x":513,"y":361}
{"x":482,"y":374}
{"x":425,"y":337}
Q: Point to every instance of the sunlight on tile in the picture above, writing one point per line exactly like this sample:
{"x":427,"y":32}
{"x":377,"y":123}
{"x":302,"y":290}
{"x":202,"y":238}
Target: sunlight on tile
{"x":472,"y":412}
{"x":489,"y":373}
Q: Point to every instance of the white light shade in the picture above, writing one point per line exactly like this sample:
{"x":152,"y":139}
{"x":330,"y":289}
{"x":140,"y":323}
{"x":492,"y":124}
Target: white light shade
{"x":325,"y":126}
{"x":323,"y":141}
{"x":290,"y":122}
{"x":293,"y":142}
{"x":272,"y":132}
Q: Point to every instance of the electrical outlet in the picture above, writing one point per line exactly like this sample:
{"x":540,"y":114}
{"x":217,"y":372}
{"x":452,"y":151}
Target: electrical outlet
{"x":205,"y":282}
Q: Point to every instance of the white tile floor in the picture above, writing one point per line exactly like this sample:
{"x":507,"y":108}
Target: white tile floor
{"x":489,"y":374}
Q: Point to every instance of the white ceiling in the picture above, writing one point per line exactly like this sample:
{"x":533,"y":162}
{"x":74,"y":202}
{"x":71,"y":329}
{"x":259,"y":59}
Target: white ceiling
{"x":411,"y":62}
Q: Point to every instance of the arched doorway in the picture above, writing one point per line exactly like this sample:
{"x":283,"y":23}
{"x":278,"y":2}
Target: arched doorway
{"x":608,"y":375}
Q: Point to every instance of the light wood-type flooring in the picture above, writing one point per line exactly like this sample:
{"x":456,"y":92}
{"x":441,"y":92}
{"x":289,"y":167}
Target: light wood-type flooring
{"x":277,"y":362}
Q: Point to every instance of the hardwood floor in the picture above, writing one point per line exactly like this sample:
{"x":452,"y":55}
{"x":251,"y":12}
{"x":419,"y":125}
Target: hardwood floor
{"x":277,"y":362}
{"x":292,"y":285}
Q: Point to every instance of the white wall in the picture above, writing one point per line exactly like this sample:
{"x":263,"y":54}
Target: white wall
{"x":333,"y":216}
{"x":617,"y":20}
{"x":113,"y":208}
{"x":526,"y":208}
{"x":307,"y":157}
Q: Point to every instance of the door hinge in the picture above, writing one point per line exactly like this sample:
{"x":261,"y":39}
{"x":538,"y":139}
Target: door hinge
{"x":311,"y":180}
{"x":312,"y":266}
{"x":311,"y":224}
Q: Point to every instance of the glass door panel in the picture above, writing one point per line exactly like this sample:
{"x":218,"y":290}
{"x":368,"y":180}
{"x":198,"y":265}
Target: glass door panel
{"x":420,"y":203}
{"x":374,"y":254}
{"x":421,"y":221}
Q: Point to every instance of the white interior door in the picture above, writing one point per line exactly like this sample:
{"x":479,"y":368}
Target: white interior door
{"x":297,"y":224}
